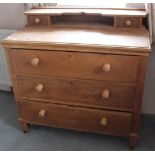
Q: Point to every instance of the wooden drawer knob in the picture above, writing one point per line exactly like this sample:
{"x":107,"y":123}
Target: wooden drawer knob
{"x":42,"y":113}
{"x":106,"y":93}
{"x":128,"y":22}
{"x":106,"y":67}
{"x":35,"y":61}
{"x":103,"y":122}
{"x":39,"y":87}
{"x":37,"y":20}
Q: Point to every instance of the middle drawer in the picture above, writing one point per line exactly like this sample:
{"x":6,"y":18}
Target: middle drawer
{"x":77,"y":92}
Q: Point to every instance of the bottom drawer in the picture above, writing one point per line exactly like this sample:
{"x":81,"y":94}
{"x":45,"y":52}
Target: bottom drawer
{"x":78,"y":118}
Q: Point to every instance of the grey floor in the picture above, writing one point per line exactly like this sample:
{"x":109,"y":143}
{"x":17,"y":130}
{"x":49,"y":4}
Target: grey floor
{"x":45,"y":138}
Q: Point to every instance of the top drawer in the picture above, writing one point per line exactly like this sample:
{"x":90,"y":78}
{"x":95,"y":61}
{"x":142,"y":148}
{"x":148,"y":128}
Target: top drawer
{"x":38,"y":20}
{"x":128,"y":22}
{"x":75,"y":65}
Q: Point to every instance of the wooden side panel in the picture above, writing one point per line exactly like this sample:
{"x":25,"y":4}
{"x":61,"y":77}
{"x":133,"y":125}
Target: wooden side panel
{"x":138,"y":101}
{"x":84,"y":119}
{"x":12,"y":74}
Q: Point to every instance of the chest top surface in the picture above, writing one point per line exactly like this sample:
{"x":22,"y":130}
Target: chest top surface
{"x":83,"y":29}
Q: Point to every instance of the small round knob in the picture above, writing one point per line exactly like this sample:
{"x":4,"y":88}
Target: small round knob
{"x":35,"y":61}
{"x":103,"y":122}
{"x":37,"y":20}
{"x":106,"y":94}
{"x":106,"y":67}
{"x":42,"y":113}
{"x":39,"y":87}
{"x":128,"y":22}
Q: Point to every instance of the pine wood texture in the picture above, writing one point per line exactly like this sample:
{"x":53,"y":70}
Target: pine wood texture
{"x":43,"y":20}
{"x":93,"y":40}
{"x":117,"y":17}
{"x":82,"y":78}
{"x":79,"y":118}
{"x":76,"y":92}
{"x":104,"y":12}
{"x":75,"y":65}
{"x":128,"y":22}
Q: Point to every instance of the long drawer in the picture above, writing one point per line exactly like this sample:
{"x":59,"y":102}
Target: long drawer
{"x":75,"y":65}
{"x":77,"y":92}
{"x":85,"y":119}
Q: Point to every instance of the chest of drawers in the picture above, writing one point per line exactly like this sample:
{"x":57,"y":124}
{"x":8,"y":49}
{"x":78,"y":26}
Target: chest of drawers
{"x":77,"y":78}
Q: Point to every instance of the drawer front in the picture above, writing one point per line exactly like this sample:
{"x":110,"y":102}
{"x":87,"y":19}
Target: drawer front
{"x":71,"y":91}
{"x":75,"y":65}
{"x":38,"y":20}
{"x":85,"y":119}
{"x":128,"y":22}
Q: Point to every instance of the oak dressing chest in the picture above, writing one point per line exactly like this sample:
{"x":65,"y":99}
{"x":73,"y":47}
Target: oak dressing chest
{"x":80,"y":69}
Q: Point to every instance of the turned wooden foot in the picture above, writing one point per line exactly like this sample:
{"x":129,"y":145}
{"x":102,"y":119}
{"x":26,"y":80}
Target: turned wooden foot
{"x":133,"y":140}
{"x":23,"y":125}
